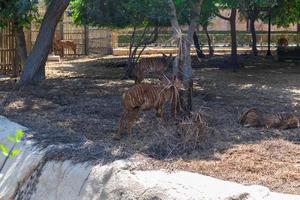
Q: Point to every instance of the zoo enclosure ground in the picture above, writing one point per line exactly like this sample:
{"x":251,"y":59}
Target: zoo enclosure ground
{"x":79,"y":106}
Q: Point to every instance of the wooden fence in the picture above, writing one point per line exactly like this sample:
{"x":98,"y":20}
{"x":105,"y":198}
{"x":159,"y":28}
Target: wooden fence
{"x":9,"y":64}
{"x":88,"y":40}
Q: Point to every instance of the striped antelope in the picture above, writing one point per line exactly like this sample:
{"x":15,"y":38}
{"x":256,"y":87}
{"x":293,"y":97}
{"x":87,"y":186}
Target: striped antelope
{"x":282,"y":121}
{"x":252,"y":118}
{"x":155,"y":65}
{"x":146,"y":96}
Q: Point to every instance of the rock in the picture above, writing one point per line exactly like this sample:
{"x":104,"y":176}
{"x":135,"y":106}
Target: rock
{"x":30,"y":176}
{"x":16,"y":170}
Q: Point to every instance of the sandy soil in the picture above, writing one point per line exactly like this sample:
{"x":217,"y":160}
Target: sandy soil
{"x":79,"y":106}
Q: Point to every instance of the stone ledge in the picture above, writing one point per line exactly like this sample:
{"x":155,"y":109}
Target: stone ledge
{"x":29,"y":176}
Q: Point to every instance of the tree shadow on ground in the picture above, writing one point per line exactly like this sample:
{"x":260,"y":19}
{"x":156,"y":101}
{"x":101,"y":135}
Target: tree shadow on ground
{"x":82,"y":112}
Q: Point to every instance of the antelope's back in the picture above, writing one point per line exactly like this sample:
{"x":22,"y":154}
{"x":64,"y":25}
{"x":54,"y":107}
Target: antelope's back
{"x":144,"y":94}
{"x":252,"y":117}
{"x":152,"y":65}
{"x":282,"y":120}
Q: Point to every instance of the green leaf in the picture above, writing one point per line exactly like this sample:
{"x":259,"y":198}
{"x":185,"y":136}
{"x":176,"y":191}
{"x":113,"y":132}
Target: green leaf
{"x":11,"y":138}
{"x":14,"y":152}
{"x":3,"y":150}
{"x":19,"y":135}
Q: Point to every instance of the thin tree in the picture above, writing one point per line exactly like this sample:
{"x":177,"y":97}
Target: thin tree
{"x":250,"y":10}
{"x":232,"y":21}
{"x":143,"y":17}
{"x":182,"y":69}
{"x":208,"y":11}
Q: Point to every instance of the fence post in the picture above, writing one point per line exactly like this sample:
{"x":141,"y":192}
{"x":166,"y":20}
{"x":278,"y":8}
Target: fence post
{"x":114,"y":39}
{"x":86,"y":40}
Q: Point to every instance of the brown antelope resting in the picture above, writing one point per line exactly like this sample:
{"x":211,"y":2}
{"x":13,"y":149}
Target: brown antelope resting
{"x":64,"y":44}
{"x":155,"y":65}
{"x":282,"y":121}
{"x":146,"y":96}
{"x":254,"y":118}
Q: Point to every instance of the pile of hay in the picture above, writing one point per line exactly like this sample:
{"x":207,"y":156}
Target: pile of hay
{"x":180,"y":138}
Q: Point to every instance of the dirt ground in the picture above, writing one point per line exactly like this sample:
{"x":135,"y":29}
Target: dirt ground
{"x":79,"y":105}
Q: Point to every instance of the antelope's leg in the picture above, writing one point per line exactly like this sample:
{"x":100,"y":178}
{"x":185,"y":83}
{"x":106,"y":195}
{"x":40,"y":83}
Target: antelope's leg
{"x":284,"y":126}
{"x":162,"y":116}
{"x":121,"y":126}
{"x":131,"y":119}
{"x":160,"y":113}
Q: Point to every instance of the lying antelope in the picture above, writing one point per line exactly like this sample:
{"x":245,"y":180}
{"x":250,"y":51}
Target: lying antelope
{"x":254,"y":118}
{"x":282,"y":121}
{"x":64,"y":44}
{"x":156,"y":65}
{"x":146,"y":96}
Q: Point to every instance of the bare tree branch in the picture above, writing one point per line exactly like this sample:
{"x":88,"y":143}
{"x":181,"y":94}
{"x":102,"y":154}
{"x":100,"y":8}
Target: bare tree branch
{"x":222,"y":17}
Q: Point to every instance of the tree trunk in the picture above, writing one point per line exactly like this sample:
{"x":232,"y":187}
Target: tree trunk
{"x":34,"y":69}
{"x":130,"y":61}
{"x":247,"y":25}
{"x":21,"y":49}
{"x":199,"y":51}
{"x":183,"y":68}
{"x":210,"y":47}
{"x":21,"y":44}
{"x":298,"y":31}
{"x":234,"y":58}
{"x":253,"y":34}
{"x":232,"y":20}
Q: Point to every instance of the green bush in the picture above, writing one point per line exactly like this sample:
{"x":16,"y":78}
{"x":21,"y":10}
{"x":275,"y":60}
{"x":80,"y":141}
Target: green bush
{"x":218,"y":38}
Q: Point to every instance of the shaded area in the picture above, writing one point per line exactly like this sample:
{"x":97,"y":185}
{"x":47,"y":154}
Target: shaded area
{"x":79,"y":106}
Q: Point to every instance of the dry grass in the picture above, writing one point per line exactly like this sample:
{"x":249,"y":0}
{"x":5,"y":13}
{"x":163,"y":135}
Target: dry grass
{"x":79,"y":107}
{"x":180,"y":137}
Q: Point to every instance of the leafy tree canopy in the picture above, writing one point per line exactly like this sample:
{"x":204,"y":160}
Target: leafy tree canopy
{"x":208,"y":11}
{"x":286,"y":12}
{"x":226,"y":4}
{"x":19,"y":12}
{"x":119,"y":13}
{"x":184,"y":10}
